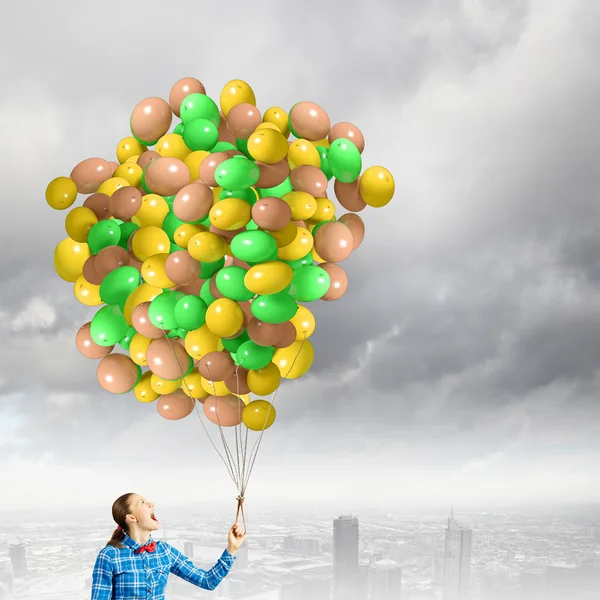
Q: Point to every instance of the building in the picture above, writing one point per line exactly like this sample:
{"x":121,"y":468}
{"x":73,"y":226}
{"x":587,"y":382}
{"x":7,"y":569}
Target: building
{"x":386,"y":580}
{"x":18,"y":557}
{"x":345,"y":559}
{"x":457,"y":561}
{"x":315,"y":588}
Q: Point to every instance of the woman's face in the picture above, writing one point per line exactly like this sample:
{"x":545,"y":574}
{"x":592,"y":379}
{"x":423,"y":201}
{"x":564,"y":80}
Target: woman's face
{"x":142,"y":512}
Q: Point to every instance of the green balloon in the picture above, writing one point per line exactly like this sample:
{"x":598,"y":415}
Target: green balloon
{"x":126,"y":341}
{"x":345,"y":160}
{"x":200,"y":134}
{"x":300,"y":262}
{"x":242,"y":146}
{"x":233,"y":344}
{"x":143,"y":142}
{"x":179,"y":129}
{"x":103,"y":234}
{"x":247,"y":195}
{"x":253,"y":246}
{"x":325,"y":164}
{"x":252,"y":356}
{"x":274,"y":308}
{"x":208,"y":269}
{"x":230,"y":282}
{"x":181,"y":332}
{"x":190,"y":312}
{"x":144,"y":184}
{"x":309,"y":283}
{"x":251,"y":226}
{"x":222,"y":147}
{"x":118,"y":284}
{"x":290,"y":126}
{"x":174,"y":248}
{"x":205,"y":293}
{"x":161,"y":311}
{"x":172,"y":334}
{"x":285,"y":187}
{"x":199,"y":106}
{"x":274,"y":255}
{"x":126,"y":230}
{"x":170,"y":224}
{"x":206,"y":221}
{"x":237,"y":174}
{"x":108,"y":326}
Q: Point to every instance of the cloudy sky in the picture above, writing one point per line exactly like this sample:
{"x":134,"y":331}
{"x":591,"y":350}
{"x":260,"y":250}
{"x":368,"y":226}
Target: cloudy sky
{"x":462,"y":364}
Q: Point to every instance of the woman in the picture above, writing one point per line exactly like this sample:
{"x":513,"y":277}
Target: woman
{"x":132,"y":565}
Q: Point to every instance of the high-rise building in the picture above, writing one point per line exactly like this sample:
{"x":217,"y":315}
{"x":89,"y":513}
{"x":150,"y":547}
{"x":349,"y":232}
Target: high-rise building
{"x":345,"y":558}
{"x":386,"y":580}
{"x":18,"y":557}
{"x":457,"y":560}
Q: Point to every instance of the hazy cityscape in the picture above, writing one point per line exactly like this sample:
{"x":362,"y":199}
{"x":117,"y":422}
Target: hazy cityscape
{"x":374,"y":554}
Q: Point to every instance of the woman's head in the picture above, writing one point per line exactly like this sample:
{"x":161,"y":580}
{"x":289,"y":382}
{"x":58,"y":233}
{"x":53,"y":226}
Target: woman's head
{"x":133,"y":515}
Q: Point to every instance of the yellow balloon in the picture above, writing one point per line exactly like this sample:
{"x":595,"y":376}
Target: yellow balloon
{"x":137,"y":349}
{"x":216,"y":194}
{"x":61,"y":193}
{"x":268,"y":146}
{"x":258,"y":415}
{"x":236,"y":92}
{"x":131,"y":172}
{"x":269,"y":277}
{"x":87,"y":293}
{"x":143,"y":293}
{"x":230,"y":214}
{"x":78,"y":223}
{"x":214,"y":388}
{"x":192,"y":162}
{"x":224,"y":317}
{"x":207,"y":247}
{"x":285,"y":236}
{"x":184,"y":233}
{"x":324,"y":143}
{"x":163,"y":386}
{"x":263,"y":382}
{"x":244,"y":397}
{"x":300,"y":247}
{"x":377,"y":186}
{"x":303,"y":152}
{"x":268,"y":126}
{"x":143,"y":390}
{"x":278,"y":117}
{"x":153,"y":271}
{"x":132,"y":159}
{"x":150,"y":240}
{"x":192,"y":385}
{"x":69,"y":258}
{"x":325,"y":211}
{"x":153,"y":211}
{"x":129,"y":147}
{"x":303,"y":205}
{"x":304,"y":322}
{"x":295,"y":360}
{"x":110,"y":186}
{"x":199,"y":342}
{"x":172,"y":145}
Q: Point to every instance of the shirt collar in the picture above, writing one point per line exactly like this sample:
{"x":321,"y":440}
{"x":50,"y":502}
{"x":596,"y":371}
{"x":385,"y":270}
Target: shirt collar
{"x":131,"y":543}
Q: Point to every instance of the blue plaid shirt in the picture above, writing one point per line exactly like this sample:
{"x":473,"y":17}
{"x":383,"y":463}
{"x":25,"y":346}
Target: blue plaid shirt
{"x":120,"y":574}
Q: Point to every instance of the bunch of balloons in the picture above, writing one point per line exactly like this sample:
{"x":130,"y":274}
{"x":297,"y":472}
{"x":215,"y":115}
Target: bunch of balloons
{"x":200,"y":252}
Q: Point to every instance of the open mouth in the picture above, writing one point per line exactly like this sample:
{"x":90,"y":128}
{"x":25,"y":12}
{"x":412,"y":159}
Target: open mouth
{"x":153,"y":517}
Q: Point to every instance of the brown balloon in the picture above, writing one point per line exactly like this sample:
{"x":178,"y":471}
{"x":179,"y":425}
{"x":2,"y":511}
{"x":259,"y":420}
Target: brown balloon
{"x":271,"y":213}
{"x":167,"y":360}
{"x":333,"y":242}
{"x":191,"y":289}
{"x":181,"y":268}
{"x":193,"y":202}
{"x":225,"y":411}
{"x":90,"y":174}
{"x":238,"y":381}
{"x":214,"y":290}
{"x":89,"y":271}
{"x":175,"y":406}
{"x":309,"y":121}
{"x":264,"y":334}
{"x":224,"y":134}
{"x":147,"y":157}
{"x":216,"y":366}
{"x":98,"y":204}
{"x":246,"y":307}
{"x":226,"y":235}
{"x":356,"y":226}
{"x":272,"y":175}
{"x":167,"y":175}
{"x":288,"y":335}
{"x":309,"y":179}
{"x":209,"y":165}
{"x":236,"y":262}
{"x":347,"y":131}
{"x":151,"y":119}
{"x":117,"y":373}
{"x":125,"y":202}
{"x":86,"y":345}
{"x":348,"y":195}
{"x":243,"y":119}
{"x":339,"y":281}
{"x":182,"y":88}
{"x":113,"y":165}
{"x":143,"y":325}
{"x":111,"y":258}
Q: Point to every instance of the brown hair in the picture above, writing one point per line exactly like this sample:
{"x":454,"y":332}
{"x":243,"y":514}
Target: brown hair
{"x":120,"y":510}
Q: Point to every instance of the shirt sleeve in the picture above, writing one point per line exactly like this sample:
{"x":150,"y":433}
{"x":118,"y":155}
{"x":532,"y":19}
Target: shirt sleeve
{"x":183,"y":567}
{"x":102,"y":578}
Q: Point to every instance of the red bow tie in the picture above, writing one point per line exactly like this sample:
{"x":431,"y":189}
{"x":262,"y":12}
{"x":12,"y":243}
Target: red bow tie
{"x":149,"y":547}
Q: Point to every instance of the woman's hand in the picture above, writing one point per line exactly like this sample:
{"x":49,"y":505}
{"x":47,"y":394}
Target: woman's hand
{"x":235,"y":539}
